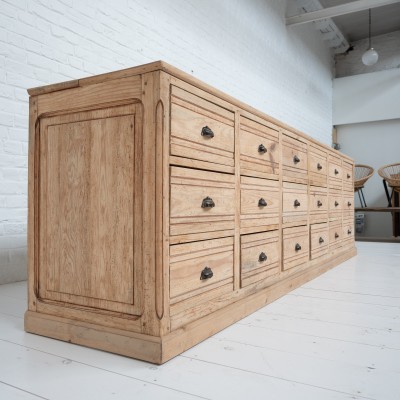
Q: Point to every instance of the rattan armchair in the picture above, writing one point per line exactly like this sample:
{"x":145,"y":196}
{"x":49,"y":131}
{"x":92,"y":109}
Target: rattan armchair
{"x":361,"y":174}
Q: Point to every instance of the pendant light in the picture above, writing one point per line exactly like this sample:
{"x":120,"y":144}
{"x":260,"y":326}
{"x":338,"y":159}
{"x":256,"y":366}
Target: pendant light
{"x":370,"y":57}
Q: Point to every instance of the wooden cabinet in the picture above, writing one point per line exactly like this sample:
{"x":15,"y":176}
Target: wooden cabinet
{"x":162,"y":210}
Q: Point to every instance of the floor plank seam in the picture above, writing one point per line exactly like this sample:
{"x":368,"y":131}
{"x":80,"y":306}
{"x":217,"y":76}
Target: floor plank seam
{"x":280,"y":378}
{"x":23,"y":390}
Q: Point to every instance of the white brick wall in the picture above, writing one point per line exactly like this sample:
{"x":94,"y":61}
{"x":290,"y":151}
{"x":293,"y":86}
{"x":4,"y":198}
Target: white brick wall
{"x":239,"y":46}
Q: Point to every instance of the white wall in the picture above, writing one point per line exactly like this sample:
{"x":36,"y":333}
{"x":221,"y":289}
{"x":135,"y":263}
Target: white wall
{"x":239,"y":46}
{"x":375,"y":144}
{"x":367,"y":97}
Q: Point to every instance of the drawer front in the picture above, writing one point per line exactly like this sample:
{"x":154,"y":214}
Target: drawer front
{"x":295,"y":202}
{"x":259,"y":149}
{"x":318,"y":200}
{"x":259,"y":202}
{"x":348,"y":203}
{"x":348,"y":230}
{"x":335,"y":234}
{"x":318,"y":167}
{"x":294,"y":159}
{"x":348,"y":177}
{"x":260,"y":257}
{"x":295,"y":246}
{"x":201,"y":130}
{"x":319,"y":237}
{"x":335,"y":172}
{"x":201,"y":201}
{"x":199,"y":267}
{"x":335,"y":200}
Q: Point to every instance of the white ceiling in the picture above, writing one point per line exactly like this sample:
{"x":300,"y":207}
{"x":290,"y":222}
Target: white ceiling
{"x":354,"y":26}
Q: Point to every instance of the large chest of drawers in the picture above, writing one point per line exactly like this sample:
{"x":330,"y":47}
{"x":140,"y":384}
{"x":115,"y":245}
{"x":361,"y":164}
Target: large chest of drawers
{"x":162,"y":210}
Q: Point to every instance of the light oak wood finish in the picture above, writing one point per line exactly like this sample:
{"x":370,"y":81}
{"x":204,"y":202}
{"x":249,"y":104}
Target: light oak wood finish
{"x":162,"y":210}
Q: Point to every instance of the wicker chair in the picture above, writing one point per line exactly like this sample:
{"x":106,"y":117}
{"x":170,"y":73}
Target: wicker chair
{"x":391,"y":176}
{"x":361,"y":174}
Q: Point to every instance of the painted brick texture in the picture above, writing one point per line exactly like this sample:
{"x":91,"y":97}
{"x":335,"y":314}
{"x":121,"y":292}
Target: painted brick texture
{"x":241,"y":47}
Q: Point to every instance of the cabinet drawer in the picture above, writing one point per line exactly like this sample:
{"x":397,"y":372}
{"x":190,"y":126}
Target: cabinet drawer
{"x":317,"y":166}
{"x":199,"y":267}
{"x":348,"y":204}
{"x":295,"y":202}
{"x":335,"y":234}
{"x":295,"y":246}
{"x":259,"y":149}
{"x":335,"y":200}
{"x":348,"y":230}
{"x":319,"y":238}
{"x":259,"y":257}
{"x":201,"y":201}
{"x":318,"y":203}
{"x":334,"y":171}
{"x":348,"y":180}
{"x":294,"y":159}
{"x":201,"y":130}
{"x":259,"y":202}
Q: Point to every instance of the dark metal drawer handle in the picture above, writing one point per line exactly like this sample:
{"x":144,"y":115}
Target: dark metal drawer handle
{"x":208,"y":202}
{"x":296,"y":159}
{"x":336,"y":171}
{"x":207,"y":132}
{"x":206,"y":273}
{"x":262,"y":203}
{"x":321,"y":239}
{"x":262,"y":257}
{"x":319,"y":166}
{"x":336,"y":203}
{"x":319,"y":203}
{"x":296,"y":203}
{"x":262,"y":148}
{"x":349,"y":231}
{"x":336,"y":235}
{"x":349,"y":204}
{"x":348,"y":176}
{"x":297,"y":247}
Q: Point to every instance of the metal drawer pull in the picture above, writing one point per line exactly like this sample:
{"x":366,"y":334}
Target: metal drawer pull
{"x":336,"y":171}
{"x":349,"y":204}
{"x":262,"y":203}
{"x":297,"y":247}
{"x":207,"y":132}
{"x":262,"y":148}
{"x":208,"y":202}
{"x":336,"y":235}
{"x":262,"y":257}
{"x":296,"y":203}
{"x":321,"y":239}
{"x":206,"y":273}
{"x":296,"y":159}
{"x":348,"y":176}
{"x":319,"y":166}
{"x":336,"y":203}
{"x":319,"y":203}
{"x":349,"y":231}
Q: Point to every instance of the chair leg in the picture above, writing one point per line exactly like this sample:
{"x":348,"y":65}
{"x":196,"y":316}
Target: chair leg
{"x":359,"y":196}
{"x":388,"y":196}
{"x":362,"y":194}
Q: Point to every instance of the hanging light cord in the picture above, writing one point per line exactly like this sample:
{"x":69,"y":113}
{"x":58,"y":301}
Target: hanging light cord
{"x":369,"y":29}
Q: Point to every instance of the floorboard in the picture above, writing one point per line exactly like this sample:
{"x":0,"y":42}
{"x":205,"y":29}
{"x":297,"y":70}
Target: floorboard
{"x":336,"y":337}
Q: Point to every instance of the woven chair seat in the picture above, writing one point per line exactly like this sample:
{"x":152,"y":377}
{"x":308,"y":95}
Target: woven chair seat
{"x":391,"y":174}
{"x":361,"y":174}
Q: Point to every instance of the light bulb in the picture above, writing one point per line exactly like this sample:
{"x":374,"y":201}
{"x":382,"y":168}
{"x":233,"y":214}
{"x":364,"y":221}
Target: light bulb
{"x":370,"y":57}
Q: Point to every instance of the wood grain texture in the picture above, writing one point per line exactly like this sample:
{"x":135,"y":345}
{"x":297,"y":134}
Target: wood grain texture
{"x":140,"y":203}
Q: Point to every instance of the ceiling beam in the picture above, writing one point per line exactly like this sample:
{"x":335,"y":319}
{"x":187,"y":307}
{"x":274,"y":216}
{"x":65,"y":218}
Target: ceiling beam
{"x":335,"y":11}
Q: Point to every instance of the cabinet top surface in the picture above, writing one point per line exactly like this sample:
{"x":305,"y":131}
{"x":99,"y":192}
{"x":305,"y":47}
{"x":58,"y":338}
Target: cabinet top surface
{"x":177,"y":73}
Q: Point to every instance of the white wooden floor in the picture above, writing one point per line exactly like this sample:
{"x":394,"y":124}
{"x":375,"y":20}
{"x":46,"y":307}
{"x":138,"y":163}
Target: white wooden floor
{"x":337,"y":337}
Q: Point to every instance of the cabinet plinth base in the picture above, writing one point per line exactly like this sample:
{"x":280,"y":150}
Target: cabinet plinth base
{"x":161,"y":349}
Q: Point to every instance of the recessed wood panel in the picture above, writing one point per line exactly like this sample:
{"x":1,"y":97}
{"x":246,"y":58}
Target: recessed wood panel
{"x":87,"y":208}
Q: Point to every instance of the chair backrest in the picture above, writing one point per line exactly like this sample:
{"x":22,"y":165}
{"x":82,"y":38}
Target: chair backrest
{"x":391,"y":173}
{"x":361,"y":174}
